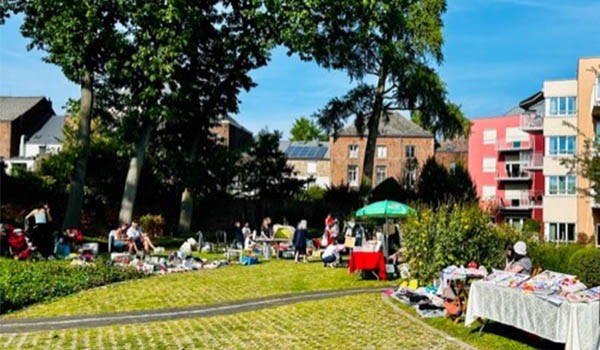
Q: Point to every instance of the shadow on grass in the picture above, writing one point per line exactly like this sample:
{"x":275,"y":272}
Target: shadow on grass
{"x":518,"y":335}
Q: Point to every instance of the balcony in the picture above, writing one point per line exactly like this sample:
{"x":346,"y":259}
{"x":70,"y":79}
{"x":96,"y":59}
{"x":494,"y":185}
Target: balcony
{"x":528,"y":200}
{"x":535,"y":163}
{"x":513,"y":146}
{"x":514,"y":172}
{"x":532,"y":122}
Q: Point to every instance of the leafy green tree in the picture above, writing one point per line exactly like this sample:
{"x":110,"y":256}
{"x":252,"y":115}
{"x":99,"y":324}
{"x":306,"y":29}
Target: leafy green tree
{"x":264,"y":171}
{"x":461,"y":186}
{"x":82,"y":37}
{"x":433,"y":183}
{"x":392,"y":42}
{"x":586,"y":163}
{"x":305,"y":129}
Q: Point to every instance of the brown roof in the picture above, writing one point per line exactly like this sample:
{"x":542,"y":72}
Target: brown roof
{"x":397,"y":125}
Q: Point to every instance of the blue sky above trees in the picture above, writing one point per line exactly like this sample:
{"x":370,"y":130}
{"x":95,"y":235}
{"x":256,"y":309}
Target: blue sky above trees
{"x":496,"y":53}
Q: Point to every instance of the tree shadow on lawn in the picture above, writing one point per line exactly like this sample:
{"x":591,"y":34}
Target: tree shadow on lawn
{"x":513,"y":333}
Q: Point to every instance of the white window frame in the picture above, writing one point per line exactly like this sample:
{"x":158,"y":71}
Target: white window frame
{"x":379,"y":178}
{"x":410,"y":151}
{"x":410,"y":177}
{"x":489,"y":169}
{"x":311,"y":167}
{"x":555,"y":103}
{"x":565,"y":226}
{"x":381,"y":151}
{"x":353,"y":151}
{"x":489,"y":136}
{"x":561,"y":151}
{"x":562,"y":185}
{"x":354,"y":169}
{"x":491,"y":194}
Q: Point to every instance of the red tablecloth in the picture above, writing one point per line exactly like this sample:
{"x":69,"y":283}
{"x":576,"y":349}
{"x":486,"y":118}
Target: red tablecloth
{"x":368,"y":261}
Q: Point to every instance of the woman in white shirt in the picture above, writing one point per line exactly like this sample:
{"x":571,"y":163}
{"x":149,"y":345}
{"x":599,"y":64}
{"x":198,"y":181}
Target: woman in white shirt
{"x":40,"y":234}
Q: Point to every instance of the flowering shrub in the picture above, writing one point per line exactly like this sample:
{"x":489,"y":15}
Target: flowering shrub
{"x":455,"y":234}
{"x":152,"y":225}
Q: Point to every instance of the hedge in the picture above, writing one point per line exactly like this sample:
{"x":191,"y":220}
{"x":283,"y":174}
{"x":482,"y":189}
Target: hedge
{"x":24,"y":283}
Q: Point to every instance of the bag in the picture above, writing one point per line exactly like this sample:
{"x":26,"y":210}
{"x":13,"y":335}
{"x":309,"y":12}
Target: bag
{"x":349,"y":242}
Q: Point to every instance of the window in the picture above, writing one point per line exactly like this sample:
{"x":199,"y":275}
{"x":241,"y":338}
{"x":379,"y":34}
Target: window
{"x":42,"y":150}
{"x":489,"y":136}
{"x":353,"y":151}
{"x":515,"y":222}
{"x":561,"y":145}
{"x":311,"y":167}
{"x":561,"y":232}
{"x":381,"y":151}
{"x":489,"y":165}
{"x":561,"y":106}
{"x":561,"y":185}
{"x":410,"y":151}
{"x":353,"y":175}
{"x":381,"y":173}
{"x":452,"y":167}
{"x":488,"y":192}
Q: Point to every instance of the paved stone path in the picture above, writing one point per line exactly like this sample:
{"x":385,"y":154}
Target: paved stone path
{"x":85,"y":321}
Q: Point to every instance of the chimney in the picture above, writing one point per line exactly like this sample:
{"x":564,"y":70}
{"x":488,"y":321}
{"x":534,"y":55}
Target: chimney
{"x":22,"y":146}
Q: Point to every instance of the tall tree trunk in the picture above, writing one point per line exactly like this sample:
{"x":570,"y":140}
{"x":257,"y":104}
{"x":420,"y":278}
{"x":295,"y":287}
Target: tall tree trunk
{"x":133,"y":175}
{"x":187,"y":208}
{"x":187,"y":197}
{"x":373,"y":127}
{"x":75,"y":202}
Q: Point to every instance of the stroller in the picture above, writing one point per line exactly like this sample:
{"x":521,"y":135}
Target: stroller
{"x":17,"y":243}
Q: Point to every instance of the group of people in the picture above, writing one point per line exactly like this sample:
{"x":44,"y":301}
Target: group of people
{"x":133,"y":239}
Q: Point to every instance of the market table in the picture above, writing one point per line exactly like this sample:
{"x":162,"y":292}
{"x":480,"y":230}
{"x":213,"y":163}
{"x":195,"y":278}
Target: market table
{"x":368,"y":261}
{"x":575,"y":324}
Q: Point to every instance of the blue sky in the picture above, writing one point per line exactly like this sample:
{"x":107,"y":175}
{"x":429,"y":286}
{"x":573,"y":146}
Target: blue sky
{"x":497,"y":52}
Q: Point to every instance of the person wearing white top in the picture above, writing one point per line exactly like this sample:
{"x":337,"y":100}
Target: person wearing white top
{"x":329,"y":254}
{"x":39,"y":233}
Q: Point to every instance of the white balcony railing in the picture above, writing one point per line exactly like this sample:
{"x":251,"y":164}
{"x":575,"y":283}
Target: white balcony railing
{"x":532,"y":122}
{"x":503,"y":145}
{"x":535,"y":162}
{"x":527,"y":200}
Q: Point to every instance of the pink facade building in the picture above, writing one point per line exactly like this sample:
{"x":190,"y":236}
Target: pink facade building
{"x":505,"y":160}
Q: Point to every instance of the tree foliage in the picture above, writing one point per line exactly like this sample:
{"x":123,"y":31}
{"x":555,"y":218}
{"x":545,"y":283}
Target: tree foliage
{"x":265,"y":173}
{"x":437,"y":185}
{"x":305,"y":129}
{"x":586,"y":164}
{"x":392,"y":42}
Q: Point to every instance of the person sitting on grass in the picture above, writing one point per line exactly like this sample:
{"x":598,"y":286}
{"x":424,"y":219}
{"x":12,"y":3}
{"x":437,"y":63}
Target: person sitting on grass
{"x":140,"y":239}
{"x":330,"y":255}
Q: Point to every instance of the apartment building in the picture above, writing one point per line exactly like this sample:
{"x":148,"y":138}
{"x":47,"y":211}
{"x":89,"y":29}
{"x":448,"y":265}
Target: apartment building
{"x":504,"y":162}
{"x":402,"y":148}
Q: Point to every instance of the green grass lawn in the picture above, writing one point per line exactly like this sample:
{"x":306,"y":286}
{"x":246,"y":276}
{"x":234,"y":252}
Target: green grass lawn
{"x":495,"y":336}
{"x":353,"y":322}
{"x":201,"y":288}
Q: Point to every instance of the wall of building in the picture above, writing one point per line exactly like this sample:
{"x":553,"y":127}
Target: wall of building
{"x":395,"y":160}
{"x":587,"y":72}
{"x":29,"y":123}
{"x":447,"y":158}
{"x":5,"y":140}
{"x":322,"y":175}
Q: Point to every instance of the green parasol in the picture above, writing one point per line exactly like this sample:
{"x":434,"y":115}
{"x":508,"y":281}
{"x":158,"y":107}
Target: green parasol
{"x":385,"y":209}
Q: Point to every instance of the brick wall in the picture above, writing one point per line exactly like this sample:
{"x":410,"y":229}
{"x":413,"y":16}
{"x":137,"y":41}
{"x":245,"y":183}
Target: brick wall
{"x":5,"y":139}
{"x":222,"y":130}
{"x":446,"y":158}
{"x":395,"y":160}
{"x":301,"y":167}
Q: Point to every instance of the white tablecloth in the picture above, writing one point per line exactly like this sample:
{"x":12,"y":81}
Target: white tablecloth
{"x":575,"y":324}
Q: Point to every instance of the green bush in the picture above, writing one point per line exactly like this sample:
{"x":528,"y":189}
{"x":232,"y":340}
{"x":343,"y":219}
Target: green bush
{"x":585,"y":263}
{"x":455,"y":234}
{"x":554,"y":257}
{"x":26,"y":282}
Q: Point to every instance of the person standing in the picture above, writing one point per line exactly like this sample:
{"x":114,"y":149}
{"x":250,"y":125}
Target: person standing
{"x":300,"y":241}
{"x":40,"y":234}
{"x":238,"y":236}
